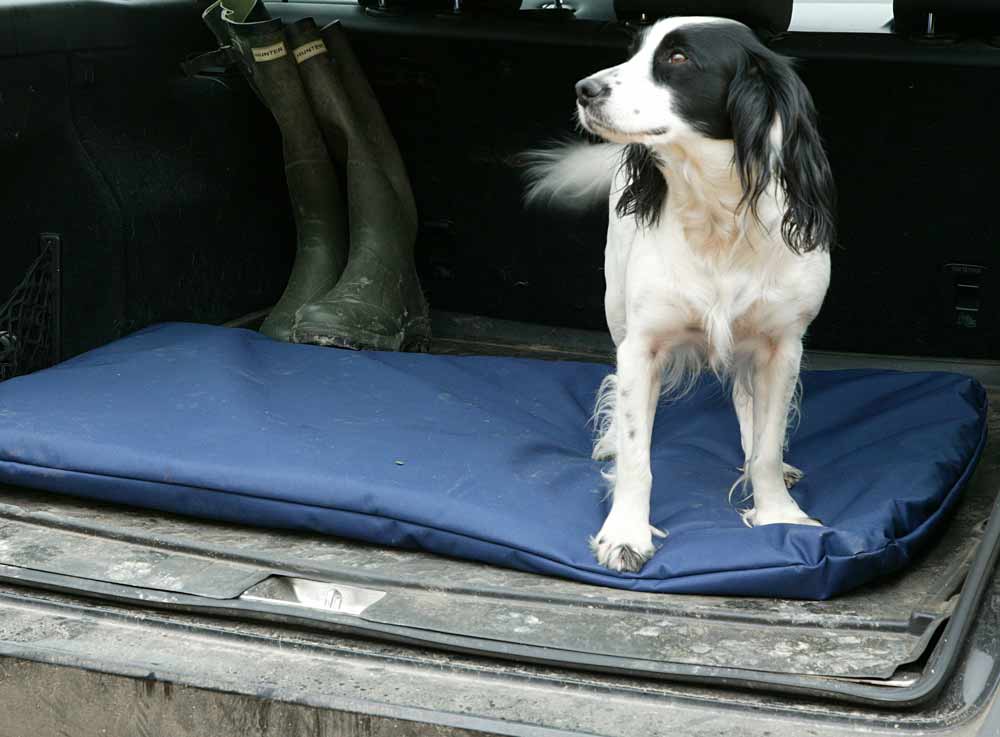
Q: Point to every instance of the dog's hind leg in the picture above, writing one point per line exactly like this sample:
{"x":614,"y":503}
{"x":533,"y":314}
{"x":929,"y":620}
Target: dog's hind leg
{"x":625,"y":541}
{"x":606,"y":442}
{"x":743,"y":403}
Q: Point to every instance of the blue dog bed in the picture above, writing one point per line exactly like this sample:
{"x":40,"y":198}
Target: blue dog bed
{"x":487,"y":458}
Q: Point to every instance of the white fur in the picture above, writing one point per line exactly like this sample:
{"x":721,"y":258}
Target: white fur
{"x":574,"y":176}
{"x":708,"y":286}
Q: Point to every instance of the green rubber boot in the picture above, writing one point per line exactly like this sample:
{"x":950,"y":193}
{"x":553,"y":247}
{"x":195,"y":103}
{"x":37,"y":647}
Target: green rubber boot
{"x":251,"y":12}
{"x":317,"y":199}
{"x":378,"y":303}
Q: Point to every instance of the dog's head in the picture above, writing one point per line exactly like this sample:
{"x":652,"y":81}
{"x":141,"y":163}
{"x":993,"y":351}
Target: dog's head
{"x":690,"y":78}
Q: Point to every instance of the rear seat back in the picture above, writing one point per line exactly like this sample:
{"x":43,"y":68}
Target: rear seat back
{"x":764,"y":16}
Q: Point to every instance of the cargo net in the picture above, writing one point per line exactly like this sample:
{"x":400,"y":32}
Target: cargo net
{"x":28,"y":319}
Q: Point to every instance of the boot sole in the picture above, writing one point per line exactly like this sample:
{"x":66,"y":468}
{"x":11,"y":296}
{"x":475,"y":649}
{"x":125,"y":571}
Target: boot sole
{"x":362,"y":340}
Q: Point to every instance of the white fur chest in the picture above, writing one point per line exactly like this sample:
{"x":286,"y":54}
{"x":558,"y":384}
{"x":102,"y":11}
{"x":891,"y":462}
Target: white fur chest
{"x":704,"y":278}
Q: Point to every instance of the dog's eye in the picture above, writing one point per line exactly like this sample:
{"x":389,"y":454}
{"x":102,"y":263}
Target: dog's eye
{"x":678,"y":57}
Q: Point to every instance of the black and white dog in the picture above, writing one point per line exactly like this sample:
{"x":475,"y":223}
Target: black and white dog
{"x":717,"y":256}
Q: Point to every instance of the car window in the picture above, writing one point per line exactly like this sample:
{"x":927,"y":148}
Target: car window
{"x":844,"y":16}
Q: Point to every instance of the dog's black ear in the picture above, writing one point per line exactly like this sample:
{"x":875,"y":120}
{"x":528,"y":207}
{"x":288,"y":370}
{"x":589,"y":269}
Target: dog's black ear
{"x":646,"y":190}
{"x":766,"y":93}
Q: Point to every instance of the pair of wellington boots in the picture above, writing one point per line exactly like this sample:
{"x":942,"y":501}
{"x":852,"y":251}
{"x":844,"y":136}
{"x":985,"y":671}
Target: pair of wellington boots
{"x":353,"y":283}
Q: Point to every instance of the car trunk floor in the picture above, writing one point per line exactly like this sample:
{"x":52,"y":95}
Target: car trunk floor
{"x":873,"y":640}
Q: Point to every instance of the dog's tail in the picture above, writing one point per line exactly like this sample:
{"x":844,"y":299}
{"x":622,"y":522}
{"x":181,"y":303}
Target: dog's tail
{"x":571,"y":175}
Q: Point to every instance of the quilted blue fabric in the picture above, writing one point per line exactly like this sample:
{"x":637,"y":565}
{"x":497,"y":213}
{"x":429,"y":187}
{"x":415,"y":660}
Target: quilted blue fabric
{"x":488,"y":458}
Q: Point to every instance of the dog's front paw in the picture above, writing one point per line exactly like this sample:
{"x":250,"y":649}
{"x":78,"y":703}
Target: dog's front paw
{"x":624,"y":547}
{"x":779,"y":516}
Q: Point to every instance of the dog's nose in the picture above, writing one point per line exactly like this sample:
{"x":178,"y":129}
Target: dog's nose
{"x":588,"y":90}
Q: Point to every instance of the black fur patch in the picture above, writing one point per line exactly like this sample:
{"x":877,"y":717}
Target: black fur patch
{"x":700,"y":85}
{"x":766,"y":87}
{"x":646,"y":192}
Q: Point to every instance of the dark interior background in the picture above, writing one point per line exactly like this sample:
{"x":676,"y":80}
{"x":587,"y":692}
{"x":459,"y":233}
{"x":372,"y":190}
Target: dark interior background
{"x":169,"y":194}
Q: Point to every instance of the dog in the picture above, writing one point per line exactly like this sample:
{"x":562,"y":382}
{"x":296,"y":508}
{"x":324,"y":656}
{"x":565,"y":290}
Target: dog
{"x":718,"y":250}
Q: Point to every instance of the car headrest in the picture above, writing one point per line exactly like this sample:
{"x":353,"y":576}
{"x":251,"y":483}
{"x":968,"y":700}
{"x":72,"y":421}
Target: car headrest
{"x":941,"y":17}
{"x":765,"y":16}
